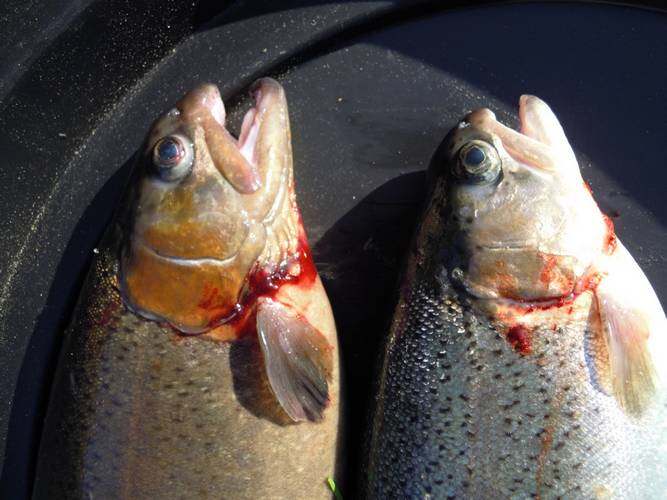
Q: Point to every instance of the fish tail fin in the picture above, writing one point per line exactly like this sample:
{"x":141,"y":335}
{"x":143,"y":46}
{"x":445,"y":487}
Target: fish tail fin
{"x":633,"y":325}
{"x":298,"y":360}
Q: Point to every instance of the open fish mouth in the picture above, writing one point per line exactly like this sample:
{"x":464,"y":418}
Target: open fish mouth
{"x":236,"y":159}
{"x":249,"y":132}
{"x":526,"y":145}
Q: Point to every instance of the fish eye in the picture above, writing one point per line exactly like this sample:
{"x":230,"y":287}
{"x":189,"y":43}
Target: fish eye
{"x":479,"y":162}
{"x":172,"y":157}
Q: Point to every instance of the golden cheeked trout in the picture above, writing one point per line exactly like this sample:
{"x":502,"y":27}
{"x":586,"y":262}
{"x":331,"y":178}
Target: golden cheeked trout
{"x":202,"y":359}
{"x":527,"y":355}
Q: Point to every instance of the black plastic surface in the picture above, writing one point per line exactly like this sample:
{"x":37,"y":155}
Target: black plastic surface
{"x":373,"y":87}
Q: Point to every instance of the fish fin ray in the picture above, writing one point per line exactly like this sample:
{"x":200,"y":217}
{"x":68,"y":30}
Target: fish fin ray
{"x":298,"y":360}
{"x":631,"y":318}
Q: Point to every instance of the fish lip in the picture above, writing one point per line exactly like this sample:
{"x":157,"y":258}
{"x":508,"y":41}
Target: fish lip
{"x":524,"y":149}
{"x":264,"y":91}
{"x":208,"y":96}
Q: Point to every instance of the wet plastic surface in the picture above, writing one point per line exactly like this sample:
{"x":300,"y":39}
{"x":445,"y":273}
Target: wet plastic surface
{"x":372,"y":89}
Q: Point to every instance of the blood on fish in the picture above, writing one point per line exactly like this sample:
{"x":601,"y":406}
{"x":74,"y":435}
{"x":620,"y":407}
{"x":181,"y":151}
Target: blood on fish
{"x":547,"y":273}
{"x":588,"y":187}
{"x":108,"y":313}
{"x":299,"y":270}
{"x":519,"y":338}
{"x":210,"y":298}
{"x":518,"y":334}
{"x":610,"y":241}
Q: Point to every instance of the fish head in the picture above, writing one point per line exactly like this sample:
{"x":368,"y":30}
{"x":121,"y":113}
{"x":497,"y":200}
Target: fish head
{"x":201,"y":205}
{"x":525,"y":225}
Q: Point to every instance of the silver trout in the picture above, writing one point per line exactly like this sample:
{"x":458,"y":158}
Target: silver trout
{"x":201,"y":361}
{"x":526,"y":354}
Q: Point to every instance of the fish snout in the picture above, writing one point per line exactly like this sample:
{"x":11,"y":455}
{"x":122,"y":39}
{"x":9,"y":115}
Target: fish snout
{"x":480,"y":117}
{"x":205,"y":97}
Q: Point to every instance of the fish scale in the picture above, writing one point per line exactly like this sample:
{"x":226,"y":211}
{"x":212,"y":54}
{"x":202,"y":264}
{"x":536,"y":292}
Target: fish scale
{"x":462,"y":415}
{"x":156,"y":415}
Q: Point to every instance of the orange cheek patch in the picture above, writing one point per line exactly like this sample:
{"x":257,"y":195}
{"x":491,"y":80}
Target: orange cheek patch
{"x":188,"y":240}
{"x":187,"y":296}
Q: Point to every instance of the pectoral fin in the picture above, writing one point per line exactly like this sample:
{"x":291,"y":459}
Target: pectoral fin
{"x":298,"y":360}
{"x":633,"y":323}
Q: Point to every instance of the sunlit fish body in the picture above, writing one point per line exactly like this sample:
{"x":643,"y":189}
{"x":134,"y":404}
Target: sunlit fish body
{"x":527,"y":354}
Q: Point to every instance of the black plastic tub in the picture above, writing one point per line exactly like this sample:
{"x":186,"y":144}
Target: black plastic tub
{"x":372,"y":87}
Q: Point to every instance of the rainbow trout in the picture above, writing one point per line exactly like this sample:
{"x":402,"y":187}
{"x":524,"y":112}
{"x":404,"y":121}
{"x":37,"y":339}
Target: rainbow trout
{"x":202,"y":359}
{"x":526,"y":355}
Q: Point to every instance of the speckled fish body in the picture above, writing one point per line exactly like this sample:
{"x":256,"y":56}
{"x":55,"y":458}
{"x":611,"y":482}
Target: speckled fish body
{"x":524,"y":357}
{"x":201,"y":361}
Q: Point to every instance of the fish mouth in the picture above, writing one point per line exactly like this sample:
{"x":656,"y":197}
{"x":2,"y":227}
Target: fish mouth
{"x":236,"y":159}
{"x":520,"y":146}
{"x":208,"y":96}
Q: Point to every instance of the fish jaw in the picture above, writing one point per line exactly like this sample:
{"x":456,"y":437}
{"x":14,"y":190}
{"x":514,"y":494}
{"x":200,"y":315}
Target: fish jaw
{"x":196,"y":241}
